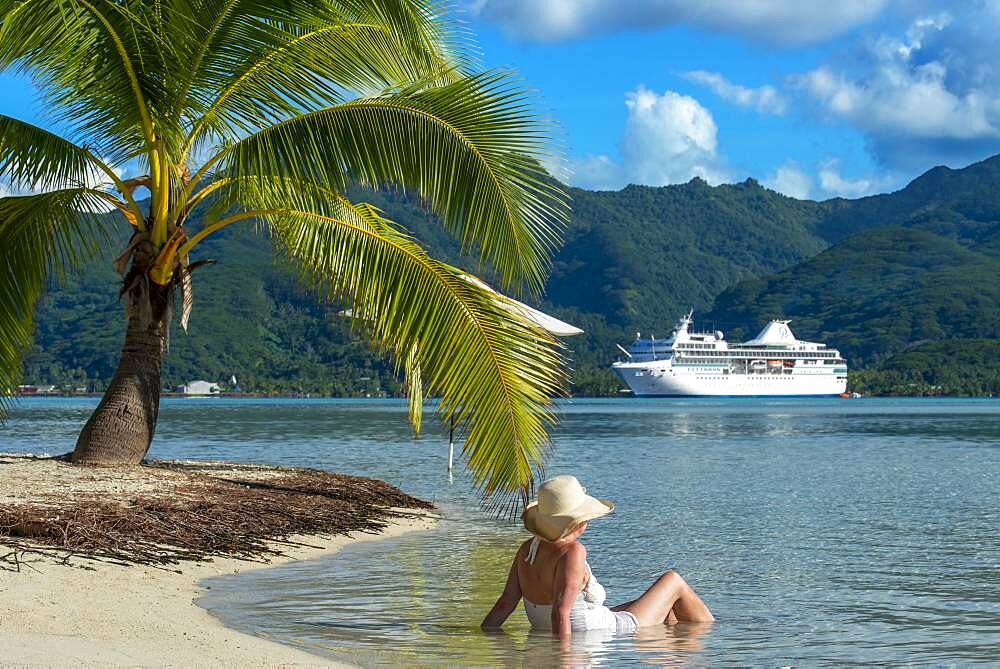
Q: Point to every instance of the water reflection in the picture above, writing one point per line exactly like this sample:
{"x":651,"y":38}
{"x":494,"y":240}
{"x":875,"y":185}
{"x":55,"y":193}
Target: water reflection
{"x":394,"y":602}
{"x":417,"y":601}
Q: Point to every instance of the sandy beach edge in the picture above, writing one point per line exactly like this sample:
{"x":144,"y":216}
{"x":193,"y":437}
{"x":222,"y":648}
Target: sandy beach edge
{"x":106,"y":615}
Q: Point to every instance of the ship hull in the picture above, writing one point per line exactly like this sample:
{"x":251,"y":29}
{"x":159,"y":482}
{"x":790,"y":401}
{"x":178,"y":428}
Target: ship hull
{"x":646,"y":382}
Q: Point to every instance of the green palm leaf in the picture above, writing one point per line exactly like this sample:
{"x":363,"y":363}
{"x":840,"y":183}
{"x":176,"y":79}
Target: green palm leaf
{"x":40,"y":235}
{"x":32,"y":158}
{"x":87,"y":59}
{"x":271,"y":65}
{"x":494,"y":371}
{"x":470,"y":148}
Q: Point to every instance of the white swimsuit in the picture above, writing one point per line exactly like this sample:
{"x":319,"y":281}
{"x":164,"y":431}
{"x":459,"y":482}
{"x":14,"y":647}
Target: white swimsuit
{"x":588,"y":611}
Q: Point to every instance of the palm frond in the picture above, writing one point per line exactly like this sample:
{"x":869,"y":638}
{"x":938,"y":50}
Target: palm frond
{"x":494,"y":371}
{"x":40,"y":235}
{"x":32,"y":158}
{"x":472,"y":149}
{"x":89,"y":59}
{"x":414,"y":388}
{"x":35,"y":159}
{"x":267,"y":65}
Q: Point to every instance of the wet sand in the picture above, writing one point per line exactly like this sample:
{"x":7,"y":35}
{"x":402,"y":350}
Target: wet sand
{"x":103,"y":615}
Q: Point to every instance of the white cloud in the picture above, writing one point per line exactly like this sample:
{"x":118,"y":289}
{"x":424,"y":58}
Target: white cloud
{"x":905,"y":100}
{"x":834,"y":184}
{"x":764,"y":99}
{"x":669,"y":138}
{"x":598,"y":173}
{"x":788,"y":22}
{"x":926,"y":98}
{"x":790,"y":180}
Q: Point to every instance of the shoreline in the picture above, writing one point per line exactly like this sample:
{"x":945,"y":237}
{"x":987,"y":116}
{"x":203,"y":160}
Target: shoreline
{"x":623,"y":394}
{"x":99,"y":614}
{"x":102,"y":566}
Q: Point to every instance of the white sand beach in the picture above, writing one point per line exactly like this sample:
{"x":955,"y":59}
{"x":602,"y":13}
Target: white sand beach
{"x":104,"y":615}
{"x":83,"y":612}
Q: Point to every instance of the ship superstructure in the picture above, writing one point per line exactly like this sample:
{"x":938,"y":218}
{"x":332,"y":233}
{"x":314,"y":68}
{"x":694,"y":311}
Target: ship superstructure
{"x":774,"y":363}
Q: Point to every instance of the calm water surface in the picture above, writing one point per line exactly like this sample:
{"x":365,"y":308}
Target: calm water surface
{"x":821,"y":533}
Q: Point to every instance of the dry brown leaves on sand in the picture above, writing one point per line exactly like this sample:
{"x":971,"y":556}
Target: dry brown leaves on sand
{"x":165,"y":512}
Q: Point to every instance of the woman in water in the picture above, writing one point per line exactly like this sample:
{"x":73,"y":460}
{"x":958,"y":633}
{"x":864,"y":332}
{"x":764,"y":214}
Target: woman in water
{"x":550,"y":573}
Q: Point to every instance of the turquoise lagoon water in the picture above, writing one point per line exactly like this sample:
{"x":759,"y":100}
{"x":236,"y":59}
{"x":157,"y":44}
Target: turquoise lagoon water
{"x":821,"y":533}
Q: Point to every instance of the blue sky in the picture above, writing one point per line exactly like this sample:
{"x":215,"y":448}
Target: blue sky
{"x":814,"y":99}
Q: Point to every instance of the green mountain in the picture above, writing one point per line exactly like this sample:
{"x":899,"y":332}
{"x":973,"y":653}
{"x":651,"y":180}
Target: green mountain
{"x":928,"y":272}
{"x":251,"y":319}
{"x":641,"y":255}
{"x":876,"y":293}
{"x":877,"y":276}
{"x":961,"y":203}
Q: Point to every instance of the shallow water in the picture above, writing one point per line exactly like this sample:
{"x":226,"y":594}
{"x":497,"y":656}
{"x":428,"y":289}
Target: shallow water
{"x":819,"y":532}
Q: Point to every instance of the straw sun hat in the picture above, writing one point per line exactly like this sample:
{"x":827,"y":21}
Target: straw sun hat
{"x":562,"y":505}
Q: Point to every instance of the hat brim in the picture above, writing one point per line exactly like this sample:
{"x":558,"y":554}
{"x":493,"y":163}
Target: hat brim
{"x":556,"y":526}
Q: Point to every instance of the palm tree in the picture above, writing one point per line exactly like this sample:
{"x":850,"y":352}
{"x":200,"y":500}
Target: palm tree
{"x":264,"y":112}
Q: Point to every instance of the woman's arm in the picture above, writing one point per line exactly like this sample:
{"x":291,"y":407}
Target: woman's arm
{"x":507,"y":601}
{"x":570,"y":572}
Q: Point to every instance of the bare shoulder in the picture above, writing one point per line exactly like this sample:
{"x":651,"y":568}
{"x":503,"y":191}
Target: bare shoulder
{"x":575,"y":553}
{"x":571,"y":565}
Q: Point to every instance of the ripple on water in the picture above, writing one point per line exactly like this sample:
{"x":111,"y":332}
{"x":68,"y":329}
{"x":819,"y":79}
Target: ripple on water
{"x":821,"y":533}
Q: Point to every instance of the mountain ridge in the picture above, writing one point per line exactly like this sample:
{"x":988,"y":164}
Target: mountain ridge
{"x":633,"y":259}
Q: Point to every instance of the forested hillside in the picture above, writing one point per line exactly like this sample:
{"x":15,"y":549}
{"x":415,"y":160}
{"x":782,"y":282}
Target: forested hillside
{"x":876,"y":293}
{"x":943,"y":367}
{"x":642,"y":255}
{"x":909,"y":267}
{"x":962,"y":203}
{"x":928,"y":273}
{"x":632,"y":258}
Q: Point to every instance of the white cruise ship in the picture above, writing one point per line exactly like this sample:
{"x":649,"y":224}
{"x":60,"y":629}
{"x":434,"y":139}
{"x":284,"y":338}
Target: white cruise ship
{"x":774,"y":363}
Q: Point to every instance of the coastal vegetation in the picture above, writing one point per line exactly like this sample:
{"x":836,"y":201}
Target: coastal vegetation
{"x":935,"y":368}
{"x":264,"y":115}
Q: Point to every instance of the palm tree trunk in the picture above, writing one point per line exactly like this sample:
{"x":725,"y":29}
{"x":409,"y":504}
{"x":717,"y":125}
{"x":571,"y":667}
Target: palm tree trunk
{"x":121,"y":429}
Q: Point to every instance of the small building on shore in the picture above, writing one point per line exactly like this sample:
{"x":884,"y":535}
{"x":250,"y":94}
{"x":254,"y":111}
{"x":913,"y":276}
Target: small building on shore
{"x":36,"y":390}
{"x":199,"y":388}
